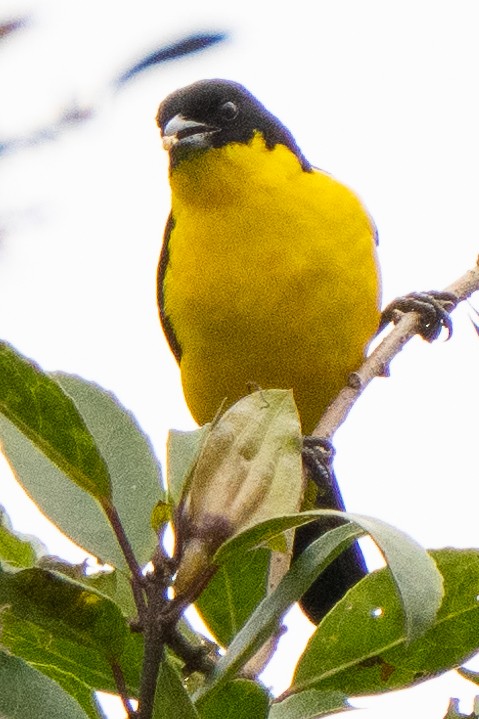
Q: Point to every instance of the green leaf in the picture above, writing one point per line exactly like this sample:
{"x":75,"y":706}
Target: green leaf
{"x":133,"y":469}
{"x":75,"y":686}
{"x":112,"y":583}
{"x":74,"y":511}
{"x":171,"y":698}
{"x":310,"y":704}
{"x":417,"y":578}
{"x":66,"y":608}
{"x":161,"y":514}
{"x":233,"y":594}
{"x":15,"y":549}
{"x":408,"y":566}
{"x":67,"y":632}
{"x":361,"y":647}
{"x":38,"y":407}
{"x":183,"y":449}
{"x":77,"y":668}
{"x":116,"y":586}
{"x":238,"y":699}
{"x":263,"y":533}
{"x":28,"y":694}
{"x":131,"y":662}
{"x":60,"y":661}
{"x":266,"y":618}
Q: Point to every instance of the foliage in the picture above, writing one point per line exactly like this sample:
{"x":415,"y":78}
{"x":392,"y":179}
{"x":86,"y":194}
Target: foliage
{"x":234,"y":496}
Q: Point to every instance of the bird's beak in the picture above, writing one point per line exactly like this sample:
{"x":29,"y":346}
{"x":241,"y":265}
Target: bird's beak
{"x":182,"y":131}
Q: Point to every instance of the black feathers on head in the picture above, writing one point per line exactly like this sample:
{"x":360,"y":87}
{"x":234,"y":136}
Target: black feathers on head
{"x":230,"y":108}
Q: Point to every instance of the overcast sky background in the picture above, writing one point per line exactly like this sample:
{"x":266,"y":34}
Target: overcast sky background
{"x":381,"y":94}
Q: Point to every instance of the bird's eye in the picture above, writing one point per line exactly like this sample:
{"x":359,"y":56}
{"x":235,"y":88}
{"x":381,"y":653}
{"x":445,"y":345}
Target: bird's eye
{"x":229,"y":110}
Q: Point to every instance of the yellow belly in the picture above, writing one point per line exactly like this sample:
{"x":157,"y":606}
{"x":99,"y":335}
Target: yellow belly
{"x":272,"y":279}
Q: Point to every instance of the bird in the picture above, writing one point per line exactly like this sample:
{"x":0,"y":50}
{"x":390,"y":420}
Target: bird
{"x":268,"y":275}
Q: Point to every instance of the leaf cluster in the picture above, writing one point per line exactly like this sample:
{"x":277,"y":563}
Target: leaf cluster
{"x":233,"y":498}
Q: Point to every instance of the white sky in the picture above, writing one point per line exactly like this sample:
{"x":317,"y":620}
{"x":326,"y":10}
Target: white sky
{"x":381,"y":94}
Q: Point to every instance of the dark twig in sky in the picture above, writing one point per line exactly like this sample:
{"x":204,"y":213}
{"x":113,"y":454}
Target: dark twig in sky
{"x":182,"y":48}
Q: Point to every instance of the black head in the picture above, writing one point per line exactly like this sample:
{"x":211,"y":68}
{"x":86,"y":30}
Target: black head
{"x":213,"y":113}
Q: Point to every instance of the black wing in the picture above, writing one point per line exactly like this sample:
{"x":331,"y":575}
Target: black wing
{"x":162,"y":266}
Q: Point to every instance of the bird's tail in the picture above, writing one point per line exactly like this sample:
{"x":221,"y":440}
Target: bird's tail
{"x":347,"y":569}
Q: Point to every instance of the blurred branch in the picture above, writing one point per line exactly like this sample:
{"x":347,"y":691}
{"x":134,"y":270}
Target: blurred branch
{"x":474,"y":317}
{"x":75,"y":114}
{"x":187,"y":46}
{"x":377,"y":364}
{"x":6,"y":28}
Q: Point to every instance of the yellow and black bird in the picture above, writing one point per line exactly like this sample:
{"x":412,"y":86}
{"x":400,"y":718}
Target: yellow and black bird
{"x":268,"y":274}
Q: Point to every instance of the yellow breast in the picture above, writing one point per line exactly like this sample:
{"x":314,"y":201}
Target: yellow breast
{"x":272,"y":278}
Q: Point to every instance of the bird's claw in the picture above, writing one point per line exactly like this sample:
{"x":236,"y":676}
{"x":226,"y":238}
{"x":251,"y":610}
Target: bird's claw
{"x":433,"y":308}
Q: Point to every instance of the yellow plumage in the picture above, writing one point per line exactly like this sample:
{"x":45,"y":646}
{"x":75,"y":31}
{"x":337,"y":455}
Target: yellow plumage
{"x":267,"y":278}
{"x":271,"y":278}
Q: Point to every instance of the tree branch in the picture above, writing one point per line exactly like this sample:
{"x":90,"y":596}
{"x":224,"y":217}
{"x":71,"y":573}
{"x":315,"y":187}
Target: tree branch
{"x":153,"y":656}
{"x":122,"y":689}
{"x":155,"y":630}
{"x":195,"y":657}
{"x":377,"y":364}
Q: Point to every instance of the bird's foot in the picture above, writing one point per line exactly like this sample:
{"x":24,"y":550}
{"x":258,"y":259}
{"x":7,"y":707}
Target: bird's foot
{"x":433,"y":308}
{"x":318,"y":454}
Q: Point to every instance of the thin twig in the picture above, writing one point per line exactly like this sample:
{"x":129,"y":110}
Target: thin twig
{"x":122,"y":689}
{"x":377,"y":364}
{"x":135,"y":569}
{"x":123,"y":541}
{"x":196,"y":658}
